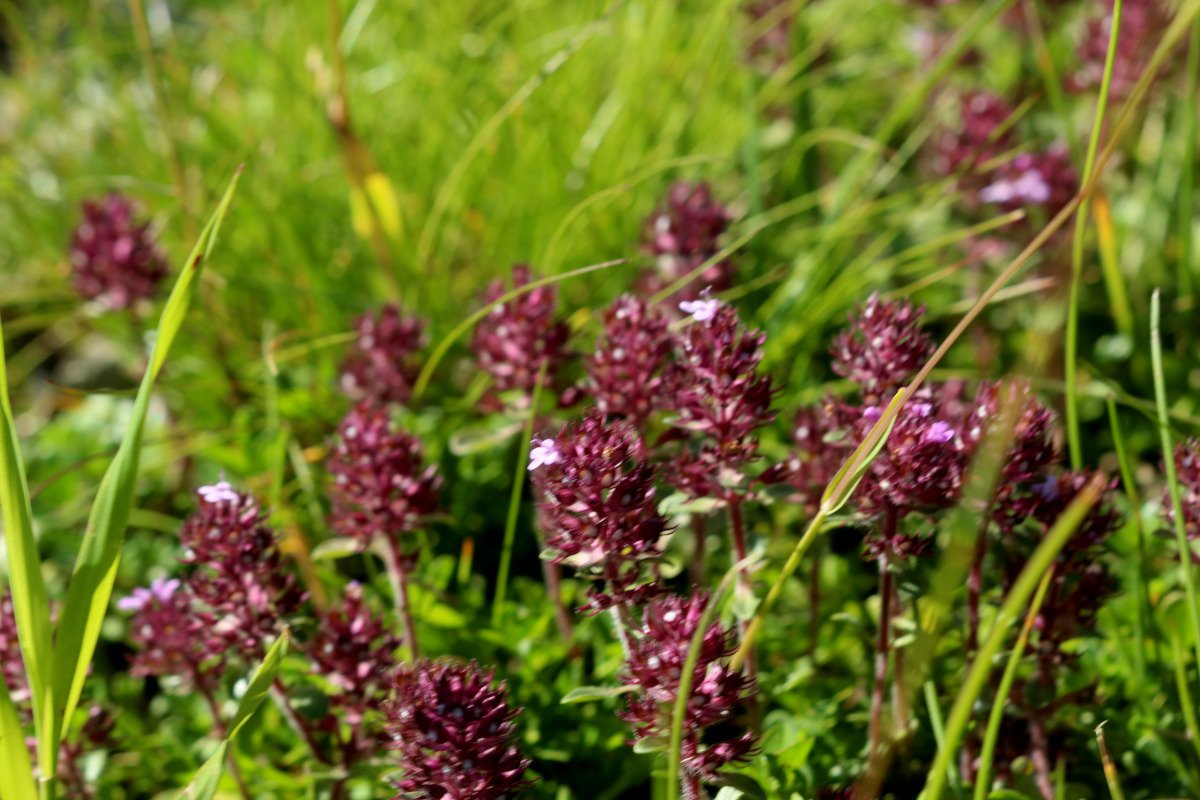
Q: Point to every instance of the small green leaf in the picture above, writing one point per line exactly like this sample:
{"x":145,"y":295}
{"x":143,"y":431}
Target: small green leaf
{"x":336,"y":548}
{"x":204,"y":784}
{"x":651,"y":744}
{"x":741,"y":783}
{"x":847,"y":478}
{"x":679,"y":503}
{"x":586,"y":694}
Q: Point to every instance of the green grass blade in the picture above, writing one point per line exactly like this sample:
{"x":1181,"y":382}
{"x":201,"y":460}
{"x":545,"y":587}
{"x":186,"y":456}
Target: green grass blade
{"x":16,"y":772}
{"x":204,"y":783}
{"x":992,"y":734}
{"x":30,"y":604}
{"x":1168,"y":454}
{"x":91,"y":583}
{"x":1074,"y":444}
{"x":981,"y":667}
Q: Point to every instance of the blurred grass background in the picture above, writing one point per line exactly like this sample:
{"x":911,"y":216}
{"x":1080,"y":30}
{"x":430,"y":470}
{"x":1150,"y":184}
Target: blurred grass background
{"x":412,"y":152}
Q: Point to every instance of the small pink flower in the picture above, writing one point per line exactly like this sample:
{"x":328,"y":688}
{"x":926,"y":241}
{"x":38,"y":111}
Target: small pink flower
{"x":543,"y":454}
{"x":701,"y":310}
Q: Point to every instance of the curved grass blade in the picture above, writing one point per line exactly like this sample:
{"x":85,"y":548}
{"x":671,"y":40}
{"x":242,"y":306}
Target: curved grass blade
{"x":91,"y":583}
{"x":204,"y":783}
{"x":981,"y":668}
{"x":31,"y":606}
{"x":16,"y":771}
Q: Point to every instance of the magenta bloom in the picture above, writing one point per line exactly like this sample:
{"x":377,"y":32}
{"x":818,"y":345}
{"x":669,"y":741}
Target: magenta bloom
{"x":1045,"y":180}
{"x":114,"y":259}
{"x":823,"y":437}
{"x":882,"y":348}
{"x":379,"y":366}
{"x":171,"y":635}
{"x":239,"y":579}
{"x":657,"y":654}
{"x":625,"y":371}
{"x":516,"y":339}
{"x":983,"y":135}
{"x":455,"y":734}
{"x":352,"y":649}
{"x":599,"y":508}
{"x":719,"y":396}
{"x":381,"y":485}
{"x":683,"y":234}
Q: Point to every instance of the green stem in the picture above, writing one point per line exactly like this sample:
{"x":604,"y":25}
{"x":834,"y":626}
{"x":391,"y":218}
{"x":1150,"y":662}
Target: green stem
{"x":1187,"y":179}
{"x":514,"y":499}
{"x":1071,"y":343}
{"x":987,"y":753}
{"x":1144,"y":605}
{"x":1037,"y":566}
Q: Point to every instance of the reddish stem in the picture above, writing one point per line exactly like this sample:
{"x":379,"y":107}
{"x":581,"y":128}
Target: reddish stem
{"x":1039,"y":754}
{"x":552,"y":575}
{"x":398,"y":575}
{"x":881,"y":654}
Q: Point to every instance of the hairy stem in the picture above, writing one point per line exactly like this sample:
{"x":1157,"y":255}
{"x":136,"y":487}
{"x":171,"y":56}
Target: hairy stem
{"x":398,"y":576}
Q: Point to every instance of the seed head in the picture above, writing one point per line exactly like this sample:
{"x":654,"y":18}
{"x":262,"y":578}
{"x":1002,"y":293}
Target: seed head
{"x":883,"y":347}
{"x":682,"y":234}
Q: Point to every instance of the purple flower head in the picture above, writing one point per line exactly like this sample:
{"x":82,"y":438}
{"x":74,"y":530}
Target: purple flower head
{"x":381,"y":487}
{"x":883,"y":347}
{"x":114,"y":259}
{"x":921,"y":467}
{"x":625,"y":372}
{"x":683,"y":234}
{"x":657,"y":652}
{"x":353,"y":650}
{"x":1025,"y":483}
{"x":719,"y":396}
{"x":516,"y":339}
{"x":171,"y":634}
{"x":984,"y":134}
{"x":12,"y":666}
{"x":455,"y":734}
{"x":1187,"y":470}
{"x":379,"y":366}
{"x":1044,"y":180}
{"x":1057,"y":492}
{"x":1142,"y":24}
{"x":239,"y":579}
{"x":599,"y":510}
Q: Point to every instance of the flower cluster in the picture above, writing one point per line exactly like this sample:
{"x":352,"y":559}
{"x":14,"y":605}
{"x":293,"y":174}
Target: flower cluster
{"x":170,"y":635}
{"x":682,"y":235}
{"x":379,"y":367}
{"x":455,"y":734}
{"x":658,"y":650}
{"x":381,"y":486}
{"x":882,"y":348}
{"x":822,"y":439}
{"x":114,"y":259}
{"x":598,"y":506}
{"x":520,"y":338}
{"x":1142,"y":25}
{"x":1020,"y":490}
{"x":719,"y":396}
{"x":239,"y":576}
{"x":624,"y":374}
{"x":352,"y":649}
